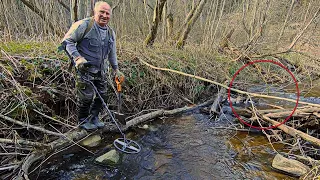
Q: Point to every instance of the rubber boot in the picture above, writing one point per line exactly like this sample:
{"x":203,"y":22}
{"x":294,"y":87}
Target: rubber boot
{"x":95,"y":120}
{"x":87,"y":125}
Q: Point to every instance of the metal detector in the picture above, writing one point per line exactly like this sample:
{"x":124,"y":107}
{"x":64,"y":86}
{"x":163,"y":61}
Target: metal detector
{"x":122,"y":144}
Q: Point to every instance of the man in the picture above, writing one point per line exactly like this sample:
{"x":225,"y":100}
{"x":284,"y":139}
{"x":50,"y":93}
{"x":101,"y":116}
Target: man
{"x":89,"y":42}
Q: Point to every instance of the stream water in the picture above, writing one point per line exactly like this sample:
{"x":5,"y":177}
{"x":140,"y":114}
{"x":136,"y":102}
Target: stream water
{"x":189,"y":147}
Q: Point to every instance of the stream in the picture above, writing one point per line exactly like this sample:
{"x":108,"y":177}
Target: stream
{"x":188,"y":147}
{"x":192,"y":146}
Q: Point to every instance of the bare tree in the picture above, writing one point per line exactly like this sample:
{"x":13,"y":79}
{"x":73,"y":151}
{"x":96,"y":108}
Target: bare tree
{"x":32,"y":5}
{"x":286,"y":21}
{"x":298,"y":36}
{"x":64,"y":5}
{"x":188,"y":18}
{"x":169,"y":24}
{"x":74,"y":10}
{"x":182,"y":39}
{"x":155,"y":22}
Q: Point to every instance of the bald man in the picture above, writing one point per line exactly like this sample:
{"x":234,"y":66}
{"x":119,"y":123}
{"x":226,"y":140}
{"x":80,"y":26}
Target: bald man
{"x":90,"y":42}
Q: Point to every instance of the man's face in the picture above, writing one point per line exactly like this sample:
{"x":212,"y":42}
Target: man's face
{"x":102,"y":14}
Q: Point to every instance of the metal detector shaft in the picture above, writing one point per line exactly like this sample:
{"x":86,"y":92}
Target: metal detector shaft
{"x":122,"y":144}
{"x":105,"y":106}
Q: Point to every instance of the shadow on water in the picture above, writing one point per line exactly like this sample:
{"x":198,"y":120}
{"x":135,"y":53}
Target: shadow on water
{"x":182,"y":148}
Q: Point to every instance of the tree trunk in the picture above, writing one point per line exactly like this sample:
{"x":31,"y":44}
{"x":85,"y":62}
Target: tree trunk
{"x":82,"y":9}
{"x":164,"y":27}
{"x":188,"y":18}
{"x":155,"y":22}
{"x":182,"y":39}
{"x":32,"y":5}
{"x":89,"y":8}
{"x":74,"y":10}
{"x":286,"y":21}
{"x":64,"y":5}
{"x":169,"y":24}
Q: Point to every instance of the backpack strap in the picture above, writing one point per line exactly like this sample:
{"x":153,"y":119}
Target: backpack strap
{"x":89,"y":27}
{"x":110,"y":31}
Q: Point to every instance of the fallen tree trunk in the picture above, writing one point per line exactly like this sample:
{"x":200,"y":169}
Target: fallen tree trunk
{"x":293,"y":132}
{"x":289,"y":130}
{"x":77,"y":135}
{"x":301,"y":112}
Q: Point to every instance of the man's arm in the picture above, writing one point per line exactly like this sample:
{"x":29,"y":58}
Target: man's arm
{"x":73,"y":36}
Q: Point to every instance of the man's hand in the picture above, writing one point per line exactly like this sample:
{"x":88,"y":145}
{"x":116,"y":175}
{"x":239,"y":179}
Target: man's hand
{"x":119,"y":74}
{"x":80,"y":62}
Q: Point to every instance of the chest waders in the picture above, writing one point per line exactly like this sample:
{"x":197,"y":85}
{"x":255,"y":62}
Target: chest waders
{"x":122,"y":144}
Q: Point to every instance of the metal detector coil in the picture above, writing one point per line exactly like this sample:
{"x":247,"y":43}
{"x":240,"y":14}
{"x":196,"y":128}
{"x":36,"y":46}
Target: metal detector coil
{"x":127,"y":146}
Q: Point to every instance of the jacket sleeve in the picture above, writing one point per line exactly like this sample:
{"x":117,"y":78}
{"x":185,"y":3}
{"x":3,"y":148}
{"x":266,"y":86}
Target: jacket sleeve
{"x":113,"y":53}
{"x":73,"y":36}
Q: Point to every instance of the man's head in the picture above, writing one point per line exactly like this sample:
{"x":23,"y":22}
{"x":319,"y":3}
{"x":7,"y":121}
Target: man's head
{"x":102,"y":13}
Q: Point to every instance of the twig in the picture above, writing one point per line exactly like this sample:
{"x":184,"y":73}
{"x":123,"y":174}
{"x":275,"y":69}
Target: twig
{"x":26,"y":169}
{"x":302,"y":31}
{"x":22,"y":141}
{"x":254,"y":110}
{"x":15,"y":153}
{"x":8,"y":168}
{"x":235,"y":129}
{"x":221,"y":96}
{"x":29,"y":126}
{"x":162,"y":112}
{"x":74,"y":127}
{"x":115,"y":6}
{"x":64,"y":5}
{"x":75,"y":142}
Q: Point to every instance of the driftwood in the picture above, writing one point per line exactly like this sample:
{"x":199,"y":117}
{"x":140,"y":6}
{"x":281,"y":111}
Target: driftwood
{"x":293,"y":132}
{"x":282,"y":113}
{"x":77,"y":135}
{"x":220,"y":97}
{"x":301,"y":112}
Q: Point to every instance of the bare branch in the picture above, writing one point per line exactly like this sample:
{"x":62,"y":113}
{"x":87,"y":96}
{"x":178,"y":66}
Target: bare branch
{"x":31,"y":4}
{"x":303,"y":30}
{"x":22,"y":141}
{"x":64,"y":5}
{"x":29,"y":126}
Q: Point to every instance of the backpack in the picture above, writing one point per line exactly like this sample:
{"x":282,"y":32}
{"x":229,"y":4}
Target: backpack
{"x":62,"y":46}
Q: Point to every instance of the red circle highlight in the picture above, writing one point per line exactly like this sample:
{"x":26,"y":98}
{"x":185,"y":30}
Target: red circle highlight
{"x":263,"y":61}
